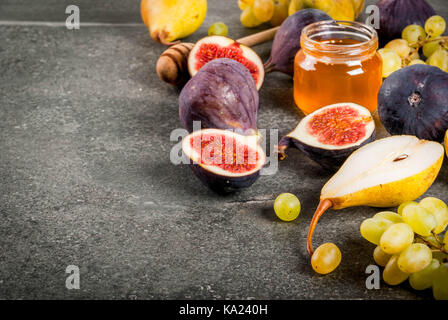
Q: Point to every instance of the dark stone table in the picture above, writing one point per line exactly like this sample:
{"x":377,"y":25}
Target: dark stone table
{"x":86,"y":178}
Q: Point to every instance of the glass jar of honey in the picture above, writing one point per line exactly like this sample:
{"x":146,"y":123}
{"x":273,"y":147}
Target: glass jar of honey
{"x":338,"y":62}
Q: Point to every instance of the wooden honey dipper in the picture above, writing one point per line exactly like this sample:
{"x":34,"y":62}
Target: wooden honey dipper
{"x":172,"y":66}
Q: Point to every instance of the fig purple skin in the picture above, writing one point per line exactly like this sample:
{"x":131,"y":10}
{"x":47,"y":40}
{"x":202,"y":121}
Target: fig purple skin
{"x":395,"y":15}
{"x":223,"y":184}
{"x":287,"y":40}
{"x":414,"y":101}
{"x":221,"y":95}
{"x":330,"y":160}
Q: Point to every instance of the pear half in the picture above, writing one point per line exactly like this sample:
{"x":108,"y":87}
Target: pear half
{"x":384,"y":173}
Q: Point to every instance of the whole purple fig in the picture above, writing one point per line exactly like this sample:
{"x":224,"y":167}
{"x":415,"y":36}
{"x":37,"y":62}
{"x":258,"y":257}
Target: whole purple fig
{"x":287,"y":40}
{"x":222,"y":95}
{"x":395,"y":15}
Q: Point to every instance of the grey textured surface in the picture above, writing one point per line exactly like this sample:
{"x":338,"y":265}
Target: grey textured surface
{"x":85,"y":176}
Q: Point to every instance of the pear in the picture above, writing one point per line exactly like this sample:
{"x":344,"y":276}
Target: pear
{"x":169,"y":20}
{"x":384,"y":173}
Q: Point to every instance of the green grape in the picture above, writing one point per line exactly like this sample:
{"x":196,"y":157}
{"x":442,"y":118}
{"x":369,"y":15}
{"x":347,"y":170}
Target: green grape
{"x":287,"y":207}
{"x":445,"y":242}
{"x":435,"y":26}
{"x":244,"y":4}
{"x":280,"y":12}
{"x":439,"y":210}
{"x":432,"y":240}
{"x":423,"y":279}
{"x":381,"y":258}
{"x":391,"y":61}
{"x":404,"y":205}
{"x":392,"y":275}
{"x":419,"y":219}
{"x":441,"y":256}
{"x":389,"y":215}
{"x":415,"y":258}
{"x":413,"y":34}
{"x":440,"y":283}
{"x":373,"y":228}
{"x":430,"y":47}
{"x":400,"y":46}
{"x":218,"y":29}
{"x":396,"y":238}
{"x":439,"y":59}
{"x":263,"y":9}
{"x":416,"y":61}
{"x":248,"y":18}
{"x":326,"y":258}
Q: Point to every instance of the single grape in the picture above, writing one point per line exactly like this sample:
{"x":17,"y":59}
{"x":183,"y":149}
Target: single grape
{"x":326,"y":258}
{"x":263,"y":9}
{"x":381,"y":258}
{"x":248,"y":18}
{"x":415,"y":258}
{"x":439,"y":210}
{"x":287,"y":207}
{"x":423,"y":279}
{"x":389,"y":215}
{"x":430,"y":47}
{"x":416,"y":61}
{"x":391,"y":61}
{"x":396,"y":238}
{"x":404,"y":205}
{"x":218,"y":29}
{"x":280,"y":12}
{"x":392,"y":275}
{"x":413,"y":34}
{"x":435,"y":26}
{"x":432,"y":240}
{"x":445,"y":242}
{"x":373,"y":228}
{"x":440,"y":282}
{"x":419,"y":219}
{"x":439,"y":59}
{"x":441,"y":256}
{"x":400,"y":46}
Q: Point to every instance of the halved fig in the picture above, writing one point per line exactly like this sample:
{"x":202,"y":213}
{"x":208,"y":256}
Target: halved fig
{"x":215,"y":47}
{"x":223,"y":160}
{"x":330,"y":134}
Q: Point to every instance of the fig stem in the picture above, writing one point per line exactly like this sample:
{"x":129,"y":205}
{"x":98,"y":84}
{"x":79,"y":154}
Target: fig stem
{"x":324,"y":205}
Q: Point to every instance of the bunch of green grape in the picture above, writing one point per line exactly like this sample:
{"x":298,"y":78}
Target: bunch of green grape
{"x":418,"y":46}
{"x":256,"y":12}
{"x":410,"y":245}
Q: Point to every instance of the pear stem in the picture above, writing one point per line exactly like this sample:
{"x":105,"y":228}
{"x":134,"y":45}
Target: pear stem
{"x":324,"y":205}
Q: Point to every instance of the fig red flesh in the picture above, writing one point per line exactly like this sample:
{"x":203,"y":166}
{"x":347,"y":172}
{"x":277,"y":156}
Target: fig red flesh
{"x":224,"y":152}
{"x":211,"y":51}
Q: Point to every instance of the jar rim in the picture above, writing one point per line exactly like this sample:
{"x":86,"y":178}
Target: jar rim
{"x":334,"y":26}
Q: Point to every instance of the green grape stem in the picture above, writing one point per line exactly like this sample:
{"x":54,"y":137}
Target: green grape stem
{"x":420,"y":45}
{"x":438,"y":248}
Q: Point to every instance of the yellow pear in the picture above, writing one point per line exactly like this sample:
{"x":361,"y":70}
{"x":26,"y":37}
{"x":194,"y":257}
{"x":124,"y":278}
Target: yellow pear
{"x":337,"y":9}
{"x":384,"y":173}
{"x":358,"y":6}
{"x":169,"y":20}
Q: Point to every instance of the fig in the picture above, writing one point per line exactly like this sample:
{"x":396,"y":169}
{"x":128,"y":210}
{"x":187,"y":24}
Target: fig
{"x":414,"y":101}
{"x":223,"y":160}
{"x":287,"y":40}
{"x":221,"y":95}
{"x":395,"y":15}
{"x":330,"y":134}
{"x":215,"y":47}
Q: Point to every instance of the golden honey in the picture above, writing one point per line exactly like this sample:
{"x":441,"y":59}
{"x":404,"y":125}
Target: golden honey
{"x":338,"y":62}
